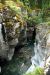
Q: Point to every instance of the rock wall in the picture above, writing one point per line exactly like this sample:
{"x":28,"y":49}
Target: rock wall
{"x":13,"y":31}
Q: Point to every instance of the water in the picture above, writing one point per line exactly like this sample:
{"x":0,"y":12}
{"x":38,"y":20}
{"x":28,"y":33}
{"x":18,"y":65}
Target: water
{"x":28,"y":56}
{"x":36,"y":60}
{"x":40,"y":54}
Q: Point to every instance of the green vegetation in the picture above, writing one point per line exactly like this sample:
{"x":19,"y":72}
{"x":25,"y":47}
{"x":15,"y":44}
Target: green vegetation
{"x":49,"y":23}
{"x":40,"y":6}
{"x":37,"y":71}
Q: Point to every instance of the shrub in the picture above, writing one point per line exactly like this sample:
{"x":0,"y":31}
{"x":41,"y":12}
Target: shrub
{"x":37,"y":71}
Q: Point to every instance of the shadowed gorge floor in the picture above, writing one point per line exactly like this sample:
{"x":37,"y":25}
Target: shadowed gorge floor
{"x":20,"y":62}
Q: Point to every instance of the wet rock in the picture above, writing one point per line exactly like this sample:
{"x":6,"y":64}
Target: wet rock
{"x":0,"y":69}
{"x":48,"y":72}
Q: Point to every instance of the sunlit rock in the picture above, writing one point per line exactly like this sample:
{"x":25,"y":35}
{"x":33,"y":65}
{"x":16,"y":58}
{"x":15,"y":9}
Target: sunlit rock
{"x":48,"y":40}
{"x":48,"y":61}
{"x":17,"y":25}
{"x":3,"y":46}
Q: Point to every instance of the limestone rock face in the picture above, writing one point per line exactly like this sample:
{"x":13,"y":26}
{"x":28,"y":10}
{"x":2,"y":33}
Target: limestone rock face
{"x":8,"y":39}
{"x":12,"y":32}
{"x":3,"y":45}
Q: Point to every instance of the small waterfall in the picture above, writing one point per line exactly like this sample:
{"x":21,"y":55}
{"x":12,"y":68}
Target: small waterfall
{"x":38,"y":58}
{"x":40,"y":53}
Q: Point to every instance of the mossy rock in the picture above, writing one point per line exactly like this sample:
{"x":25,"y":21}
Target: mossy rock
{"x":1,"y":6}
{"x":9,"y":25}
{"x":49,"y":23}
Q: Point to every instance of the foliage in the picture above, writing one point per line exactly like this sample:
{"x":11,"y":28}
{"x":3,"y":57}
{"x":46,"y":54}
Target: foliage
{"x":45,"y":4}
{"x":13,"y":6}
{"x":26,"y":2}
{"x":33,"y":20}
{"x":1,"y":6}
{"x":30,"y":5}
{"x":49,"y":23}
{"x":9,"y":25}
{"x":37,"y":71}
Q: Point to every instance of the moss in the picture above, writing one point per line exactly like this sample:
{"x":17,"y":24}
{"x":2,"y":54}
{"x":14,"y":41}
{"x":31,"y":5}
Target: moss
{"x":9,"y":25}
{"x":16,"y":30}
{"x":1,"y":6}
{"x":49,"y":23}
